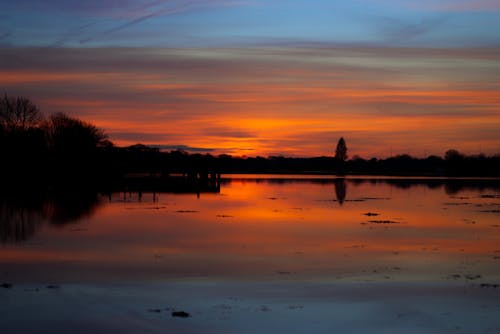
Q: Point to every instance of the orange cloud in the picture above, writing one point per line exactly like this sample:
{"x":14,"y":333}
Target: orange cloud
{"x":276,"y":100}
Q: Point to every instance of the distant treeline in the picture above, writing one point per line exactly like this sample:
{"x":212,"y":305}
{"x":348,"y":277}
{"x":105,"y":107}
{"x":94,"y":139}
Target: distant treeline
{"x":454,"y":164}
{"x":63,"y":149}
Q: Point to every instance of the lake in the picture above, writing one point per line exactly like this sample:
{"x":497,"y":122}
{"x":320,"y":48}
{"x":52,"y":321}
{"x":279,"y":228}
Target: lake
{"x":286,"y":249}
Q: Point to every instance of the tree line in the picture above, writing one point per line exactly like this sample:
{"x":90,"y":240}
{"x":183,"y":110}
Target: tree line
{"x":35,"y":148}
{"x":63,"y":149}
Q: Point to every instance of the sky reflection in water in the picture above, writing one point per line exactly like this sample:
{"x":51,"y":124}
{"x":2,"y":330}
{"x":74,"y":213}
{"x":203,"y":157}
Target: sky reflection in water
{"x":266,"y":228}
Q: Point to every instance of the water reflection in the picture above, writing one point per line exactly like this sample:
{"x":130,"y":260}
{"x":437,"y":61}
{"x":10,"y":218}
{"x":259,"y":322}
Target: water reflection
{"x":67,"y":207}
{"x":451,"y":185}
{"x":278,"y":227}
{"x":22,"y":212}
{"x":340,"y":190}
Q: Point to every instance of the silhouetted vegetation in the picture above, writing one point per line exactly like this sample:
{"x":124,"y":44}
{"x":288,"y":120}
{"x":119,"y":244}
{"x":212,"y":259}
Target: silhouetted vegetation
{"x":53,"y":169}
{"x":400,"y":165}
{"x":18,"y":113}
{"x":341,"y":151}
{"x":69,"y":152}
{"x":60,"y":149}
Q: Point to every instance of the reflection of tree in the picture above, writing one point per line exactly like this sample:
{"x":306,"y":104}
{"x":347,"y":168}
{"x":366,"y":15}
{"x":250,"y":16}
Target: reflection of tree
{"x":70,"y":206}
{"x":340,"y":190}
{"x":22,"y":213}
{"x":451,"y":186}
{"x":17,"y":224}
{"x":19,"y":214}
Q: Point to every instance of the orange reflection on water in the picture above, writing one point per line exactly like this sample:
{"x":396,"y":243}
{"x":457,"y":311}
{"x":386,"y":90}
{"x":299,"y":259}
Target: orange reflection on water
{"x":275,"y":229}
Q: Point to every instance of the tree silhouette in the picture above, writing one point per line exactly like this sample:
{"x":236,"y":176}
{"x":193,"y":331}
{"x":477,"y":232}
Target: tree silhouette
{"x":75,"y":147}
{"x":72,"y":136}
{"x":18,"y":113}
{"x":22,"y":141}
{"x":453,"y":155}
{"x":341,"y":151}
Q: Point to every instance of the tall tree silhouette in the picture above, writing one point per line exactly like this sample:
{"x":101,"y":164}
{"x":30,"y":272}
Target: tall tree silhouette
{"x":341,"y":151}
{"x":18,"y":113}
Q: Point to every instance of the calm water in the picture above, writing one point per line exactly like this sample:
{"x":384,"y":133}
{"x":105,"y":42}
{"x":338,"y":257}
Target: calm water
{"x":258,"y":228}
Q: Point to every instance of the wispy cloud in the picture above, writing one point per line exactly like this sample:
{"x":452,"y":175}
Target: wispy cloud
{"x":300,"y":23}
{"x":161,"y":12}
{"x":269,"y":100}
{"x":140,"y":137}
{"x":445,"y":5}
{"x":184,"y":148}
{"x":395,"y":30}
{"x":83,"y":8}
{"x":461,"y":5}
{"x":227,"y":132}
{"x":71,"y":34}
{"x":129,"y":14}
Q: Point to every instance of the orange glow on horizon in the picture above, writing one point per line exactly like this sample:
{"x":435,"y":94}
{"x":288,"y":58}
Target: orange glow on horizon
{"x":283,"y":101}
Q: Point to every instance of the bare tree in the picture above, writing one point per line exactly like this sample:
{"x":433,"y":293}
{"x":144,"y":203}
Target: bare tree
{"x":18,"y":113}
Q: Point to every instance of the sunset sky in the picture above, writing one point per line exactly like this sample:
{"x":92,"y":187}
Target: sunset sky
{"x":255,"y":77}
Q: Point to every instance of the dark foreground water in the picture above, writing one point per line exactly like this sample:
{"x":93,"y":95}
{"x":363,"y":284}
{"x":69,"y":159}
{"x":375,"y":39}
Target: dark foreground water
{"x":265,"y":254}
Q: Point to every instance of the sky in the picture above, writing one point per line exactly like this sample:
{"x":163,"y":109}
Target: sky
{"x":257,"y":77}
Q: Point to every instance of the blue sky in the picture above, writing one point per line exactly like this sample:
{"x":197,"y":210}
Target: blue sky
{"x":198,"y":23}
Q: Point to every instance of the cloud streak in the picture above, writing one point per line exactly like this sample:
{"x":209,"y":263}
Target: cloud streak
{"x":462,"y":5}
{"x":130,"y":14}
{"x":160,"y":12}
{"x":184,"y":148}
{"x":205,"y":23}
{"x":445,"y":5}
{"x":262,"y":101}
{"x":398,"y":31}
